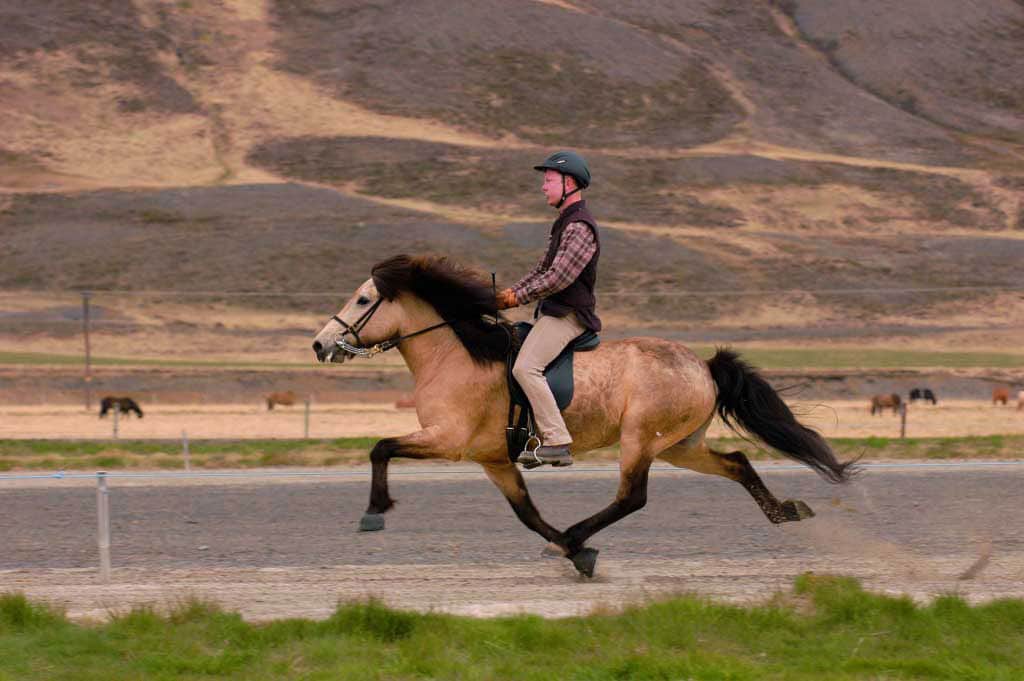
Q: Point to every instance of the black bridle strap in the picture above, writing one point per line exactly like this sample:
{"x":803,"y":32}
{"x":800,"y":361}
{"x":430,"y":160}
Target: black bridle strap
{"x":354,"y":329}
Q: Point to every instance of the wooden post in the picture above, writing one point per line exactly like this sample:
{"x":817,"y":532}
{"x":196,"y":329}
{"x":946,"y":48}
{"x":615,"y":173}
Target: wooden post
{"x":88,"y":354}
{"x":117,"y":414}
{"x":103,"y":519}
{"x":306,"y":428}
{"x":903,"y":420}
{"x":184,"y":450}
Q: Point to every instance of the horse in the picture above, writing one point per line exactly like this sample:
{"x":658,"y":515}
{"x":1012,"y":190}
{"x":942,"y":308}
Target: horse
{"x":881,"y":402}
{"x":125,"y":405}
{"x":285,"y":399}
{"x":925,"y":394}
{"x":655,"y":397}
{"x":1000,"y":395}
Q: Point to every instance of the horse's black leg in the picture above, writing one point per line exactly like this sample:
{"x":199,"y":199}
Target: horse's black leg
{"x":632,"y":496}
{"x":740,"y":470}
{"x":509,"y":480}
{"x":380,"y":498}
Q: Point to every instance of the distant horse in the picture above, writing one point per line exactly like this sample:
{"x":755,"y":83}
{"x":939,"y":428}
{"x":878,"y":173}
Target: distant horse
{"x":285,"y":399}
{"x":922,"y":394}
{"x":1020,"y":401}
{"x":1000,"y":395}
{"x":880,"y":402}
{"x":125,"y":405}
{"x":655,"y":397}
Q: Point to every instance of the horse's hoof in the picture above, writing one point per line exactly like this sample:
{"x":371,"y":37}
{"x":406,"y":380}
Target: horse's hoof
{"x":796,"y":510}
{"x":585,"y":559}
{"x":553,"y":550}
{"x":371,"y":522}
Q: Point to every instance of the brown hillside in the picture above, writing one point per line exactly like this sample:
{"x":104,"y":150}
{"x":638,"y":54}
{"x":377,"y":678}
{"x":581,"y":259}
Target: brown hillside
{"x":265,"y":145}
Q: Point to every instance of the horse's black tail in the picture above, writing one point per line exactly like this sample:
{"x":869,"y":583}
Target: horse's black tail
{"x":747,"y":400}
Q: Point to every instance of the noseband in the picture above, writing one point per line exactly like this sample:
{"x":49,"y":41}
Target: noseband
{"x":354,"y":329}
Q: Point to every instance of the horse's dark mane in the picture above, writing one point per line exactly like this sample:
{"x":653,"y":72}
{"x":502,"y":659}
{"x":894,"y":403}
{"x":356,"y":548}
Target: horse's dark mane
{"x":459,"y":294}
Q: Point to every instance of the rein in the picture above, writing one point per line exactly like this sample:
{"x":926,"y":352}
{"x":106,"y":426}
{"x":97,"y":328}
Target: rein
{"x":383,"y":346}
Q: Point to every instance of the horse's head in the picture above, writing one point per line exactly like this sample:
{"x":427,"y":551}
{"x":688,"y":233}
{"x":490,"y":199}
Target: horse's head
{"x":365,"y":320}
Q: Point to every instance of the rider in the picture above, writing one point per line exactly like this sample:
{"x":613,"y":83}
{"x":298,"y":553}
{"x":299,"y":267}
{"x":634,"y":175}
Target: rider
{"x":563,"y":281}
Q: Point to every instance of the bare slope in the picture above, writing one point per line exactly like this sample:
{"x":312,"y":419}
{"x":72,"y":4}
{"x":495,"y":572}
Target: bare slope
{"x":289,"y":145}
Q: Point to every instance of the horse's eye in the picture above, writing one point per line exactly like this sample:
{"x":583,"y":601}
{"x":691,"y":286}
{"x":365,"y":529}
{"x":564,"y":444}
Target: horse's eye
{"x":363,"y":300}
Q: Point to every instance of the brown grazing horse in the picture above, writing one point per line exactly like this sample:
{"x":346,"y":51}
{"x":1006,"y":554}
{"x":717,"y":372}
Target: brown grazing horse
{"x":655,"y":397}
{"x":124,"y":405}
{"x":285,"y":399}
{"x":881,"y":402}
{"x":1000,"y":395}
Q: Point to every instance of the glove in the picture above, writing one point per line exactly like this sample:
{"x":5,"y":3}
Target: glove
{"x":506,"y":298}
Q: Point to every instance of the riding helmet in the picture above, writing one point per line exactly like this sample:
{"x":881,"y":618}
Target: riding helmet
{"x":568,"y":163}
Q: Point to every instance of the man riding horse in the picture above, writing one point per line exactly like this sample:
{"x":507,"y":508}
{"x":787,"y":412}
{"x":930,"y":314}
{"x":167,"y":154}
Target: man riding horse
{"x":563,"y":281}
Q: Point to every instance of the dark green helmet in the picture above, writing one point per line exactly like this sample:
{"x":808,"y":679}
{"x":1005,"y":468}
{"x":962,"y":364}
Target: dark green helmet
{"x":568,"y":163}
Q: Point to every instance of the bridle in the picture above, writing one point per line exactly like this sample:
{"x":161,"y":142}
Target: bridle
{"x":384,"y":346}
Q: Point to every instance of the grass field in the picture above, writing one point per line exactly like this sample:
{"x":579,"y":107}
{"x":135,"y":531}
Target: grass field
{"x":825,"y":628}
{"x":783,"y":358}
{"x":218,"y":454}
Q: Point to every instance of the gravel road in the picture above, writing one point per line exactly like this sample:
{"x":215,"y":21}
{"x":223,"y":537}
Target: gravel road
{"x":274,"y":548}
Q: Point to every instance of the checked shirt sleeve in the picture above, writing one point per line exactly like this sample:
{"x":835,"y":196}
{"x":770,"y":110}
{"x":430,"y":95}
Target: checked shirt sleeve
{"x":574,"y":252}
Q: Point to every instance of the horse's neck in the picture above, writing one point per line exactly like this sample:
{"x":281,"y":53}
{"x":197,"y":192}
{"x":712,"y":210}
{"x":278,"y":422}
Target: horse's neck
{"x":434,"y":355}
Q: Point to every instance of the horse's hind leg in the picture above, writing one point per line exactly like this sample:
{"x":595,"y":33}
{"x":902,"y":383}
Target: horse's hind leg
{"x":697,"y":456}
{"x":631,"y":496}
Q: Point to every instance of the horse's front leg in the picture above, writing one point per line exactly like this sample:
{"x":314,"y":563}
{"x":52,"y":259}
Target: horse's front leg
{"x":418,"y":445}
{"x":507,"y":478}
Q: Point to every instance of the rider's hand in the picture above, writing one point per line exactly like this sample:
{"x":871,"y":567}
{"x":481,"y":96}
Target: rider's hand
{"x":506,"y":298}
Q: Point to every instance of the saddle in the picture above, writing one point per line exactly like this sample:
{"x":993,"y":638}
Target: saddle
{"x":521,"y":428}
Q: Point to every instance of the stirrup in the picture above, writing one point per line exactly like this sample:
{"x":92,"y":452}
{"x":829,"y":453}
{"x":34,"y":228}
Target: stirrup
{"x":527,"y":453}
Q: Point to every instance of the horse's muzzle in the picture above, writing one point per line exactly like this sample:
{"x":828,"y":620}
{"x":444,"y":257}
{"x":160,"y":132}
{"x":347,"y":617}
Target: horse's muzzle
{"x":329,"y":354}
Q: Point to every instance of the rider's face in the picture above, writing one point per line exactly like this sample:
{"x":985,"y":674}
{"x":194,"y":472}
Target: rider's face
{"x":552,"y":186}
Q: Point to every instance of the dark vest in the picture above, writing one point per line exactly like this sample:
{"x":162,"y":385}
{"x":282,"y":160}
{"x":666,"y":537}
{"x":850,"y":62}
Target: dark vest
{"x":578,"y":296}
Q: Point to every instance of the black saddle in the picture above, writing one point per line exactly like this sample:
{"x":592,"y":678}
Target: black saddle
{"x":560,"y":379}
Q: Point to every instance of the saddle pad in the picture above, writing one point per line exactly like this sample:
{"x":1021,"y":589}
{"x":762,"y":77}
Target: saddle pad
{"x":558,"y":372}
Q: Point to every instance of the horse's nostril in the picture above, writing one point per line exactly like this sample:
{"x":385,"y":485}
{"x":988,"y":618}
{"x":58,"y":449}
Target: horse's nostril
{"x":317,"y":348}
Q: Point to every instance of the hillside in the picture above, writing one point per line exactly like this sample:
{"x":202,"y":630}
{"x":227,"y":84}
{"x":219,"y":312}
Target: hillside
{"x":737,"y":148}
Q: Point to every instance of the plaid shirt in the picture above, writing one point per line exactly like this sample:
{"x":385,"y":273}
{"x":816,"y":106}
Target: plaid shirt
{"x":574,"y":252}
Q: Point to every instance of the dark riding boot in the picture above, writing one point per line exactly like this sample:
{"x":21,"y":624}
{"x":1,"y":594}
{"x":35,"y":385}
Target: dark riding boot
{"x":556,"y":455}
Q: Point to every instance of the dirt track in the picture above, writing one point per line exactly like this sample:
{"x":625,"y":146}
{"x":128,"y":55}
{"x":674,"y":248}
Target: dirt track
{"x":274,"y":548}
{"x":834,"y":418}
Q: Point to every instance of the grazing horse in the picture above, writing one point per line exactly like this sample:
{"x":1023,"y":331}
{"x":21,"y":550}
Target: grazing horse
{"x":125,"y":405}
{"x":1000,"y":395}
{"x":285,"y":399}
{"x":925,"y":394}
{"x":655,"y":397}
{"x":881,"y":402}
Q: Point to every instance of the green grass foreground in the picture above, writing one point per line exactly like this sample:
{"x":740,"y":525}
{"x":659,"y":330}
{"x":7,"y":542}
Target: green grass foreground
{"x":827,"y":628}
{"x":218,"y":454}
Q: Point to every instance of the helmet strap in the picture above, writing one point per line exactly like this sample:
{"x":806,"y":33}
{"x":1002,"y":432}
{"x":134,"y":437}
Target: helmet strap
{"x":565,"y":194}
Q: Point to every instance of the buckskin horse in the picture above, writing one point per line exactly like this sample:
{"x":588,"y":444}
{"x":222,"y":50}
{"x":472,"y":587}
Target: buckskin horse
{"x":655,"y":397}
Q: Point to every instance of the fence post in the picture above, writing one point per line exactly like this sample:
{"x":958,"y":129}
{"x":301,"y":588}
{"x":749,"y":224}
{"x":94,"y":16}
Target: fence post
{"x":88,"y":359}
{"x":305,"y":432}
{"x":117,"y":410}
{"x":903,"y":420}
{"x":184,"y":450}
{"x":103,"y":519}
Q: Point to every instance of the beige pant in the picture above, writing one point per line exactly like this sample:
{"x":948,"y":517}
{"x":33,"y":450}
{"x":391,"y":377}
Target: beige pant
{"x":548,"y":338}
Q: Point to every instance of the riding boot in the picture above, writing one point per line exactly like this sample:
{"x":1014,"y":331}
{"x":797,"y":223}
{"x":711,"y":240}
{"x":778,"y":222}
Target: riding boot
{"x":556,"y":455}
